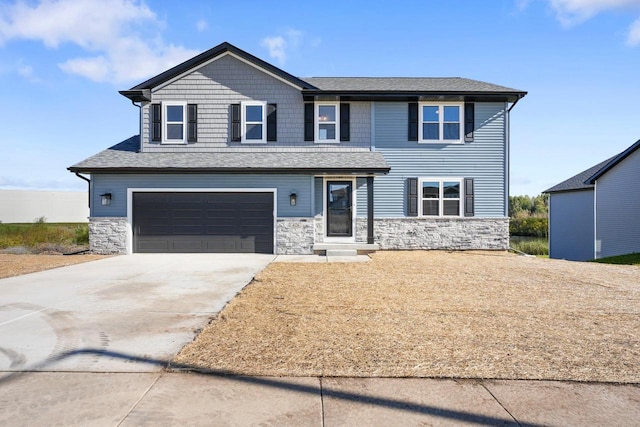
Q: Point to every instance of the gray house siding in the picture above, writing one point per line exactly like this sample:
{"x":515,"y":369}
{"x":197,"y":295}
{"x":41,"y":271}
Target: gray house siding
{"x":571,"y":225}
{"x":117,"y":185}
{"x":483,"y":159}
{"x":618,"y":209}
{"x":227,"y":80}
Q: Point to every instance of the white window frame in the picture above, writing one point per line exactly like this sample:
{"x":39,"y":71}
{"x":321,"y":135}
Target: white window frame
{"x":441,"y":122}
{"x":245,"y":122}
{"x":166,"y":122}
{"x":441,"y":198}
{"x":317,"y":123}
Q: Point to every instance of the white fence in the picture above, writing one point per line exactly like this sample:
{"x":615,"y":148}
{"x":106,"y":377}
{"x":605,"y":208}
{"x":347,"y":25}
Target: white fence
{"x":55,"y":206}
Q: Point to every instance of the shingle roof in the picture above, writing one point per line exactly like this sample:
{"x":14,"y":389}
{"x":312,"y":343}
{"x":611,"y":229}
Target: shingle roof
{"x":577,"y":182}
{"x":585,"y":179}
{"x":407,"y":84}
{"x":125,"y":157}
{"x":612,"y":162}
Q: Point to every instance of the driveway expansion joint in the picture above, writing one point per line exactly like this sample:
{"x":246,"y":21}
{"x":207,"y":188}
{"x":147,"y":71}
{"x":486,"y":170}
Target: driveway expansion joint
{"x":500,"y":403}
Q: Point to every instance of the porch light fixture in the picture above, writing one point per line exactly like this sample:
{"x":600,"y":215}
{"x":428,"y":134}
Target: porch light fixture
{"x":293,"y":198}
{"x":106,"y":199}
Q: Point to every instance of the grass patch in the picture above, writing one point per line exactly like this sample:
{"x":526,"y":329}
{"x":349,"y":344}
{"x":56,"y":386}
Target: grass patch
{"x":628,"y":259}
{"x":40,"y":233}
{"x":531,"y":246}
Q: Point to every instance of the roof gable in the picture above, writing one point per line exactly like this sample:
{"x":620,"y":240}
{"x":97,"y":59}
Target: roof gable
{"x":586,"y":179}
{"x":141,"y":90}
{"x":612,"y":163}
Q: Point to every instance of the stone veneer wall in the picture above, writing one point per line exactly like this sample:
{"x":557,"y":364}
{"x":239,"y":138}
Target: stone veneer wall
{"x":294,"y":236}
{"x":108,"y":235}
{"x":442,"y":233}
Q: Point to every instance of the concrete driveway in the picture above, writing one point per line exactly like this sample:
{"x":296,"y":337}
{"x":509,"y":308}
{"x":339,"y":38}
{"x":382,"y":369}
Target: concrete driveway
{"x":113,"y":314}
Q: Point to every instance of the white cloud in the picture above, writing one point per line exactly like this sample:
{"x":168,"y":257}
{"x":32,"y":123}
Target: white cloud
{"x":291,"y":39}
{"x":570,"y":12}
{"x":633,"y":38}
{"x":202,"y":25}
{"x":276,"y":46}
{"x":108,"y":30}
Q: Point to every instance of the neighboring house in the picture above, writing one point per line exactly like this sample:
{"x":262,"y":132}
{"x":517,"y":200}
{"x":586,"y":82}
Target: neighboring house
{"x":236,"y":155}
{"x":596,"y":213}
{"x":21,"y":206}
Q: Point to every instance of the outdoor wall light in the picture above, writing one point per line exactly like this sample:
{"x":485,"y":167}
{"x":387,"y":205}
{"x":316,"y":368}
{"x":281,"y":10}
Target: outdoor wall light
{"x":293,"y":197}
{"x":106,"y":199}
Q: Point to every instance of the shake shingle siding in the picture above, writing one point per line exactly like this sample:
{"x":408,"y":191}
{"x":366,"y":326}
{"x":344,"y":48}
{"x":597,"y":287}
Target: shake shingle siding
{"x":215,"y":86}
{"x":483,"y":159}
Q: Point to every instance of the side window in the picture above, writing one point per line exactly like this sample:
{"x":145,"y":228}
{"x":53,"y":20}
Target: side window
{"x":441,"y":197}
{"x":440,"y":123}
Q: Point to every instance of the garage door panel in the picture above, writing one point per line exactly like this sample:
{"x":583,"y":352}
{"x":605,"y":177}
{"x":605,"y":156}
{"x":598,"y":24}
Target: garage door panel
{"x":203,"y":222}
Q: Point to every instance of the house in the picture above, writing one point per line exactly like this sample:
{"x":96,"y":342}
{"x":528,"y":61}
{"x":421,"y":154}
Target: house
{"x":596,"y":213}
{"x":237,"y":155}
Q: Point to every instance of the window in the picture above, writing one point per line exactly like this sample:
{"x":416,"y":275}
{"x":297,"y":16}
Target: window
{"x":440,"y":123}
{"x":254,"y":122}
{"x":441,"y":197}
{"x":174,"y":123}
{"x":327,"y":128}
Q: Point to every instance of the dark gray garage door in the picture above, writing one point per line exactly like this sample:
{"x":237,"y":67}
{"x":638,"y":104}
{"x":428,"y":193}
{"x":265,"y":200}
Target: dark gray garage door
{"x":203,"y":222}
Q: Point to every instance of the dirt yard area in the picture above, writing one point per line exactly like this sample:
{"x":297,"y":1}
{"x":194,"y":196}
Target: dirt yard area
{"x":431,"y":314}
{"x":15,"y":265}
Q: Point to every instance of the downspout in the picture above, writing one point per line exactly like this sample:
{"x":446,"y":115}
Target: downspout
{"x":88,"y":186}
{"x":140,"y":122}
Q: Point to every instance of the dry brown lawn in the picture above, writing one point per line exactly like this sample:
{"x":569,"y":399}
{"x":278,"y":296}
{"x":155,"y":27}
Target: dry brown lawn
{"x":15,"y":265}
{"x":431,"y":314}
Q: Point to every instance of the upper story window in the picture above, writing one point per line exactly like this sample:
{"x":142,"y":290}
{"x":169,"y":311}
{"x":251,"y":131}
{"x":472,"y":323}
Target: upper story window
{"x":440,"y":123}
{"x":327,"y":127}
{"x":174,"y":122}
{"x":441,"y":197}
{"x":253,"y":121}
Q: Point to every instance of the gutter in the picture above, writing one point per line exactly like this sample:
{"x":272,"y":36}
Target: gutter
{"x":88,"y":186}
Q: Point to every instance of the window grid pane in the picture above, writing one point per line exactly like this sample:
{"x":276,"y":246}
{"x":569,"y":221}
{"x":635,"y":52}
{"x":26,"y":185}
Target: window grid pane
{"x":327,"y":131}
{"x":254,"y":113}
{"x":174,"y":131}
{"x":175,"y":113}
{"x":254,"y":131}
{"x":451,"y":207}
{"x":431,"y":207}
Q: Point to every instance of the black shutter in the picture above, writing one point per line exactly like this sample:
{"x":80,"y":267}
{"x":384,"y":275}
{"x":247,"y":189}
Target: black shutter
{"x":156,"y":122}
{"x":272,"y":122}
{"x":469,"y":121}
{"x":345,"y":127}
{"x":468,"y":197}
{"x":308,"y":121}
{"x":235,"y":122}
{"x":412,"y":196}
{"x":413,"y":121}
{"x":192,"y":122}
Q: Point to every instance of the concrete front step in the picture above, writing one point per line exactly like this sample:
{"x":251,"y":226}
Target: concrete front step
{"x":342,"y":252}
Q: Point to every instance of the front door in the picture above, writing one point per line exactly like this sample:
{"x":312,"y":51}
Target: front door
{"x":339,"y":209}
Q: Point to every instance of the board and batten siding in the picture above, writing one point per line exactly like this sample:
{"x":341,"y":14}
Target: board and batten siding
{"x":618,"y":209}
{"x":118,"y":184}
{"x":571,"y":225}
{"x":483,"y":159}
{"x":227,"y":80}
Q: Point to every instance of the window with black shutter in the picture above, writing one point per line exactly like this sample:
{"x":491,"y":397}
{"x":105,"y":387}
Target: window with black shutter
{"x":345,"y":125}
{"x":156,"y":122}
{"x":192,"y":122}
{"x":469,"y":121}
{"x":412,"y":196}
{"x":272,"y":122}
{"x":308,"y":121}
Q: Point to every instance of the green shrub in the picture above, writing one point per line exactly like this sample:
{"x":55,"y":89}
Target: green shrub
{"x":40,"y":233}
{"x":82,"y":235}
{"x":531,"y":226}
{"x":531,"y":246}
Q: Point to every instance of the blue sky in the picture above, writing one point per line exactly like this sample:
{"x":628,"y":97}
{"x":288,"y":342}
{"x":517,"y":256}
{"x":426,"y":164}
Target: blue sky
{"x":62,"y":63}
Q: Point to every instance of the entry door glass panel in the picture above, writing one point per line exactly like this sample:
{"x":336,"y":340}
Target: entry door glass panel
{"x":339,"y":209}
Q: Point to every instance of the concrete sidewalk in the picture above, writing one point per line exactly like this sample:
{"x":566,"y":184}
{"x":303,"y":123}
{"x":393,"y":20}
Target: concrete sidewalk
{"x":176,"y":398}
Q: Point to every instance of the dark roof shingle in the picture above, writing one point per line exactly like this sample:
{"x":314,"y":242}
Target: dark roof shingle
{"x":126,"y":157}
